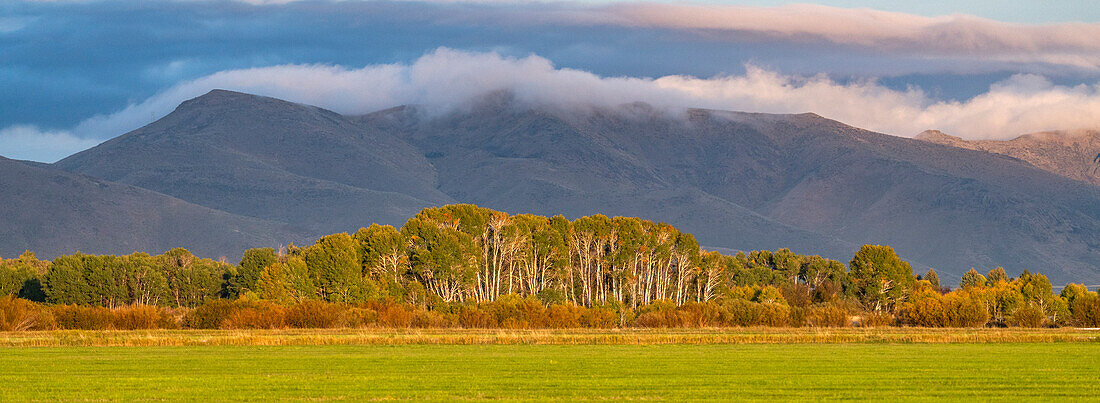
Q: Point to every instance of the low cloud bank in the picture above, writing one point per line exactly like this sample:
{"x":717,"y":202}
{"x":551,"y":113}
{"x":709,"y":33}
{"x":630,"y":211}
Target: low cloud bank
{"x":26,"y":142}
{"x":447,"y":79}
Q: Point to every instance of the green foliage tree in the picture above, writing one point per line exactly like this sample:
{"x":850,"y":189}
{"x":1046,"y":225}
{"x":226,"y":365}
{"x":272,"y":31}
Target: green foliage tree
{"x":996,"y":275}
{"x":442,"y":257}
{"x":253,"y":262}
{"x":21,"y":277}
{"x":972,"y":279}
{"x":933,"y":279}
{"x":384,"y":252}
{"x":191,"y":280}
{"x":881,"y":278}
{"x":336,"y":269}
{"x":286,"y":280}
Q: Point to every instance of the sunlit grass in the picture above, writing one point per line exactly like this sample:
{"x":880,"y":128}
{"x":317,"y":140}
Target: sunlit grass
{"x":566,"y":336}
{"x":878,"y":371}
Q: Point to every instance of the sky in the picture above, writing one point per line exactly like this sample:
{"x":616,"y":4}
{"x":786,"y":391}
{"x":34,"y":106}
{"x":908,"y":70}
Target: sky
{"x":74,"y":73}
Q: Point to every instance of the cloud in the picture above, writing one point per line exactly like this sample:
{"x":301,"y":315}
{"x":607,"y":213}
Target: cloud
{"x":958,"y":36}
{"x":446,"y":79}
{"x":25,"y":142}
{"x":954,"y":36}
{"x":12,"y":24}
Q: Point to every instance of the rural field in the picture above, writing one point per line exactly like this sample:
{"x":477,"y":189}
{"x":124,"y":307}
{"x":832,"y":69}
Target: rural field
{"x":565,"y":365}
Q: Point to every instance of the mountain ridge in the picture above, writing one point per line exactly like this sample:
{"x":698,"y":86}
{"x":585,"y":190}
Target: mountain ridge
{"x":1074,"y":154}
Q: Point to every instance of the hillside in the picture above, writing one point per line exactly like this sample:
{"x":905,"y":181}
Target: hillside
{"x":54,"y":212}
{"x":736,"y":180}
{"x":1073,"y":154}
{"x":270,"y":159}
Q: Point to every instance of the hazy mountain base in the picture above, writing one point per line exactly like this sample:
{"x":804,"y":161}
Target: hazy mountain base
{"x":55,"y":212}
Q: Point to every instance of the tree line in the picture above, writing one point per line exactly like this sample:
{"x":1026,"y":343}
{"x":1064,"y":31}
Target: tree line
{"x":456,"y":259}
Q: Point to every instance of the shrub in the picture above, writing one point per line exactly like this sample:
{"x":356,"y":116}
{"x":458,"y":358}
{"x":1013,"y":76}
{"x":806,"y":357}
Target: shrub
{"x":514,"y":312}
{"x":256,"y":315}
{"x":828,"y":315}
{"x":748,"y":313}
{"x":392,"y":315}
{"x":209,"y":315}
{"x":359,"y":317}
{"x":19,"y":314}
{"x":599,"y":318}
{"x":564,"y":316}
{"x":774,"y":315}
{"x":660,"y":314}
{"x":1086,"y":310}
{"x":1028,"y":315}
{"x":472,"y":318}
{"x":951,"y":310}
{"x":798,"y":316}
{"x":876,"y":319}
{"x":424,"y":318}
{"x":135,"y":317}
{"x":316,"y":315}
{"x":966,"y":311}
{"x":83,"y":317}
{"x":928,"y":311}
{"x":701,"y":314}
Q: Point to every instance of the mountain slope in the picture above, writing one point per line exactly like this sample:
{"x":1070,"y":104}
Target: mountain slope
{"x":271,"y":159}
{"x":780,"y":176}
{"x":1073,"y":154}
{"x":736,"y":180}
{"x":54,"y":212}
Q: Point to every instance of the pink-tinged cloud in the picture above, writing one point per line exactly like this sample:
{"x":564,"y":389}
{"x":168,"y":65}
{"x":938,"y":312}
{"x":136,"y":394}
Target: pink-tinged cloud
{"x":447,"y":79}
{"x":956,"y":36}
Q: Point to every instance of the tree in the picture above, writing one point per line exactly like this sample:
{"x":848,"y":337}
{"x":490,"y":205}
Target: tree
{"x":286,"y":280}
{"x":442,"y":257}
{"x":144,"y":280}
{"x":21,"y":277}
{"x":996,"y":275}
{"x":191,"y":280}
{"x":972,"y":279}
{"x":336,"y":269}
{"x":542,"y":252}
{"x":253,"y":262}
{"x":828,"y":279}
{"x":934,"y":279}
{"x":383,"y":251}
{"x":65,"y":282}
{"x":881,"y":278}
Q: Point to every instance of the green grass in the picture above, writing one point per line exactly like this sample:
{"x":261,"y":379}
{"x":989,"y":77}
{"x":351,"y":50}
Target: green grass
{"x":1030,"y":371}
{"x":378,"y":336}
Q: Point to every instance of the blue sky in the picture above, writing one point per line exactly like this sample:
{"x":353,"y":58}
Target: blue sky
{"x":74,"y":73}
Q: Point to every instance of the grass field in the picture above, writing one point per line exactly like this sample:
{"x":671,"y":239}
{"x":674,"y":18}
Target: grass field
{"x":760,"y":371}
{"x":372,"y":336}
{"x":325,"y":367}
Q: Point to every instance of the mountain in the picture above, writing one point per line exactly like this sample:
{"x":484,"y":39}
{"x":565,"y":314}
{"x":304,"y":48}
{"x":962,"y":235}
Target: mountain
{"x":54,"y":212}
{"x":737,"y":180}
{"x":270,"y":159}
{"x":1073,"y":154}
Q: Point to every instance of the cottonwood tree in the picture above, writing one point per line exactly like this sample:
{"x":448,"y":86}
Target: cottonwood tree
{"x":443,"y":258}
{"x":286,"y":280}
{"x":336,"y":269}
{"x":881,"y":278}
{"x":248,"y":270}
{"x":191,"y":280}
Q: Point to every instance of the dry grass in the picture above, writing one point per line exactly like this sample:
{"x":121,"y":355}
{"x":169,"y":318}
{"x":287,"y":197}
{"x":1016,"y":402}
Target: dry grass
{"x":279,"y":337}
